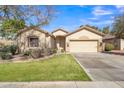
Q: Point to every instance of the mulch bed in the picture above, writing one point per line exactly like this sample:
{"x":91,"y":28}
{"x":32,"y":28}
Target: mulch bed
{"x":21,"y":59}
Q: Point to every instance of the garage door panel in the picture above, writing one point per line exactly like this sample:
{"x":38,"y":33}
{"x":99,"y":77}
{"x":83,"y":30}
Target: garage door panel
{"x":83,"y":46}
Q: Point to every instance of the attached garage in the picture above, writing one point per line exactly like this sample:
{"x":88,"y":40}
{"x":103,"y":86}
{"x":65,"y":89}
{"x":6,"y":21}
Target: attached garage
{"x":83,"y":45}
{"x":84,"y":39}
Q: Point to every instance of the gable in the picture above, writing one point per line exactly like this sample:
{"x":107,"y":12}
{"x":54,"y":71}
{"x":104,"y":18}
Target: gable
{"x":32,"y":32}
{"x":88,"y":29}
{"x":84,"y":34}
{"x":30,"y":28}
{"x":59,"y":32}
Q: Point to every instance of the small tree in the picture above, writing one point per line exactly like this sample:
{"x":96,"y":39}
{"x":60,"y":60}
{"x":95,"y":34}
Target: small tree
{"x":106,"y":30}
{"x":118,"y":26}
{"x":10,"y":26}
{"x":94,"y":27}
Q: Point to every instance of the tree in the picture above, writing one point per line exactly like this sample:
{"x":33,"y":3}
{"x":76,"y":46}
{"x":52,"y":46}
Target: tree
{"x":32,"y":15}
{"x":105,"y":30}
{"x":94,"y":27}
{"x":118,"y":26}
{"x":13,"y":18}
{"x":10,"y":26}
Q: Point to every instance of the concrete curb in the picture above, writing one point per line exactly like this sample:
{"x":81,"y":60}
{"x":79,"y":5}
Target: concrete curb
{"x":114,"y":53}
{"x":83,"y":68}
{"x":63,"y":84}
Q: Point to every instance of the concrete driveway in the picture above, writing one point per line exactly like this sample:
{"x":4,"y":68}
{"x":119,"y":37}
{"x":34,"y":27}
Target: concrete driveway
{"x":102,"y":67}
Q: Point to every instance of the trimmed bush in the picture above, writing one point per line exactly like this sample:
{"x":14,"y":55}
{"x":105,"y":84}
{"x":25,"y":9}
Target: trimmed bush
{"x":109,"y":47}
{"x":53,"y":51}
{"x":62,"y":50}
{"x":36,"y":53}
{"x":9,"y":49}
{"x":13,"y":49}
{"x":6,"y":56}
{"x":5,"y":49}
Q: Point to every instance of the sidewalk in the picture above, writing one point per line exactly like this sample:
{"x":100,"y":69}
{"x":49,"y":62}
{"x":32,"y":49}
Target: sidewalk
{"x":64,"y":84}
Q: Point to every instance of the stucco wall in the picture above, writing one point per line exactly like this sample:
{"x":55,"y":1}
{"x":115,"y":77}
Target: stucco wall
{"x":50,"y":42}
{"x":122,"y":44}
{"x":59,"y":32}
{"x":22,"y":40}
{"x":83,"y":35}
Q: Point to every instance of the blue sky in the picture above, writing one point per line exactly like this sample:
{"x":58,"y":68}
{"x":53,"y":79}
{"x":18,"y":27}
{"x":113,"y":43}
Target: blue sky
{"x":71,"y":17}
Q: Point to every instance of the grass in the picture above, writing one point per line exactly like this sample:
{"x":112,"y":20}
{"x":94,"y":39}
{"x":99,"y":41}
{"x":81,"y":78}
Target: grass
{"x":58,"y":68}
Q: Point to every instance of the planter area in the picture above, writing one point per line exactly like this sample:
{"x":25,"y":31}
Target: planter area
{"x":10,"y":54}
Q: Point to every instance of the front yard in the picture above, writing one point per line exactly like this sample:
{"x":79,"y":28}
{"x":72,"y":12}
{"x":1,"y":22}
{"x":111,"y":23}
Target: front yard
{"x":58,"y":68}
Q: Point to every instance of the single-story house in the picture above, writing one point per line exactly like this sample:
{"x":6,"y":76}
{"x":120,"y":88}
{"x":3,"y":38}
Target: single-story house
{"x":117,"y":42}
{"x":83,"y":39}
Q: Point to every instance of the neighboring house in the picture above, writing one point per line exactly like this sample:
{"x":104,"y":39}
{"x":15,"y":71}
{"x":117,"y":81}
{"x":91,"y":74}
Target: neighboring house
{"x":84,"y":39}
{"x":117,"y":42}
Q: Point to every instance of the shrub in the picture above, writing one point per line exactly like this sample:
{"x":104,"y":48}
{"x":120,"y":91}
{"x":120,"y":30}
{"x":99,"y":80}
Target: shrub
{"x":27,"y":53}
{"x":5,"y":49}
{"x":62,"y":50}
{"x":109,"y":47}
{"x":5,"y":55}
{"x":9,"y":49}
{"x":53,"y":51}
{"x":13,"y":49}
{"x":36,"y":53}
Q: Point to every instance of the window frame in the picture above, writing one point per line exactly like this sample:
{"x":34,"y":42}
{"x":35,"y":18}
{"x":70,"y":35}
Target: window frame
{"x":29,"y":41}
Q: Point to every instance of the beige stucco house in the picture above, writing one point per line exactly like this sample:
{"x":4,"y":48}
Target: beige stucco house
{"x":83,"y":39}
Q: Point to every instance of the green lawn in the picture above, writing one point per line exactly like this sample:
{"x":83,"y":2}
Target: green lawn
{"x":58,"y":68}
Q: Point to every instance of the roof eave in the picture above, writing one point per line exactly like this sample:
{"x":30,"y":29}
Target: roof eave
{"x":59,"y":29}
{"x":85,"y":27}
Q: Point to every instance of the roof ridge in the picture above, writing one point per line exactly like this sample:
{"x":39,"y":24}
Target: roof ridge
{"x":36,"y":28}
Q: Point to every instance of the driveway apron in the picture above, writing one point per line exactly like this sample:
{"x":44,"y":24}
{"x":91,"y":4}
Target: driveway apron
{"x":102,"y":67}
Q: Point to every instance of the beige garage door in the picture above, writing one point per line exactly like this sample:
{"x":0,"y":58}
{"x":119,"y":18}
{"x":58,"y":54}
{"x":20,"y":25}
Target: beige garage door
{"x":83,"y":46}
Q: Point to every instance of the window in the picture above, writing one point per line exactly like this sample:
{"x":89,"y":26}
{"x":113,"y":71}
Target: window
{"x":33,"y":42}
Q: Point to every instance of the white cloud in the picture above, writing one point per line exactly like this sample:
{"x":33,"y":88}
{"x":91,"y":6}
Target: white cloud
{"x":94,"y":18}
{"x":105,"y":22}
{"x":99,"y":11}
{"x":120,"y":8}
